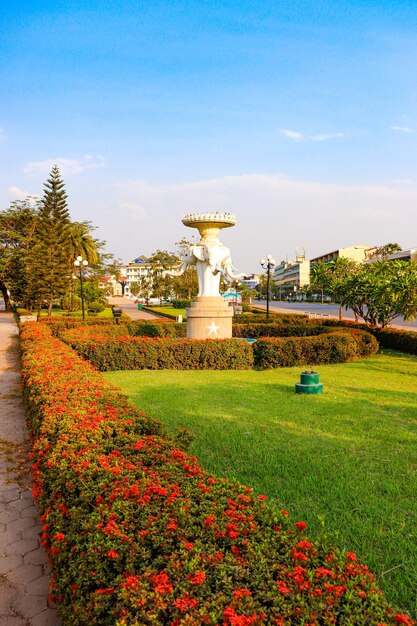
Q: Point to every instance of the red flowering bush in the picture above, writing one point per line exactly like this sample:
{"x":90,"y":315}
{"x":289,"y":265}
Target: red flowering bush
{"x":138,"y":534}
{"x":334,"y":347}
{"x":129,"y":353}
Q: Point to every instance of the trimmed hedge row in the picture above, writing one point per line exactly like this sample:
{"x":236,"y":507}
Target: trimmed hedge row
{"x":161,"y":328}
{"x":391,"y":338}
{"x":138,"y":534}
{"x":132,"y":353}
{"x":278,"y":330}
{"x":110,"y":348}
{"x":334,"y":347}
{"x":259,"y":317}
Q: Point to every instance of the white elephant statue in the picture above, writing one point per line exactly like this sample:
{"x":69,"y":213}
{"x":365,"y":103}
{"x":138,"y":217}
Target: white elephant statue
{"x":211,"y":259}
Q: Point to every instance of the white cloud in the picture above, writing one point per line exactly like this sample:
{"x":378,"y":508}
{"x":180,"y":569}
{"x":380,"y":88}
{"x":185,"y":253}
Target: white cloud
{"x":324,"y":137}
{"x":18,"y":193}
{"x":133,"y":210}
{"x":292,"y":134}
{"x":402,"y":129}
{"x":296,"y":136}
{"x":66,"y":166}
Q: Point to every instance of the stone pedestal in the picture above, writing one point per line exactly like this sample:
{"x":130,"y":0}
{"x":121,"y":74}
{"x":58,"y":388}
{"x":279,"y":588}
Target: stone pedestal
{"x":209,"y":317}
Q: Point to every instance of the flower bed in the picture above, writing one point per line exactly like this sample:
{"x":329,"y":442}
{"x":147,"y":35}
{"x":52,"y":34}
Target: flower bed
{"x":121,"y":353}
{"x":137,"y":534}
{"x":334,"y":347}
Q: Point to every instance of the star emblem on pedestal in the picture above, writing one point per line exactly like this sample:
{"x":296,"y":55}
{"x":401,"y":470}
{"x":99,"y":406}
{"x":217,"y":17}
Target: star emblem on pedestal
{"x":213,"y":329}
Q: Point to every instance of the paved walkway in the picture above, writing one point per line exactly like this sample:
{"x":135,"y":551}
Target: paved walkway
{"x":24,"y":576}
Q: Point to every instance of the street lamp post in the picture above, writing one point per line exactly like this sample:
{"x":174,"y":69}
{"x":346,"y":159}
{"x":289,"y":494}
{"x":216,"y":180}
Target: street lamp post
{"x":268,"y":264}
{"x":81,"y":264}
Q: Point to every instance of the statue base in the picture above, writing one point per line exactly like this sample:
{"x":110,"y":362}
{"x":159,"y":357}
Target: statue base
{"x":209,"y":317}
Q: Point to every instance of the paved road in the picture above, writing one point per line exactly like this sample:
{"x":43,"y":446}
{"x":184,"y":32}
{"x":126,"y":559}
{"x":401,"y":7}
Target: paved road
{"x":324,"y":309}
{"x":24,"y":573}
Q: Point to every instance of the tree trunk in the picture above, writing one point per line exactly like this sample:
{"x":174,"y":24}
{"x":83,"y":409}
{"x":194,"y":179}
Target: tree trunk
{"x":7,"y":302}
{"x":340,"y":312}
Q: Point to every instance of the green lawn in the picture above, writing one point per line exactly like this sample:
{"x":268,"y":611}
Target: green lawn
{"x":348,"y":456}
{"x":167,"y":310}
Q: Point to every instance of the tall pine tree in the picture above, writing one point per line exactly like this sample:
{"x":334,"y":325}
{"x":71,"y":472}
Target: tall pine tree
{"x":50,"y":268}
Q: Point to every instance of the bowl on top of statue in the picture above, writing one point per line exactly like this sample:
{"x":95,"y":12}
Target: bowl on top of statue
{"x":209,"y":220}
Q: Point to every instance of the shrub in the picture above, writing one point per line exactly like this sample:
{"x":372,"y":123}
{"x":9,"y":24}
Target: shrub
{"x":96,"y":307}
{"x":334,"y":347}
{"x":121,"y":353}
{"x":138,"y":534}
{"x":278,"y":330}
{"x":181,"y":304}
{"x":392,"y":338}
{"x":274,"y":318}
{"x":158,"y":328}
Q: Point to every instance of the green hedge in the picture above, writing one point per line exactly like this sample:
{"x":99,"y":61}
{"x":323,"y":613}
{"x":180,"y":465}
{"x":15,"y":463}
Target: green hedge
{"x":131,"y":353}
{"x":278,"y":330}
{"x":334,"y":347}
{"x":137,"y":534}
{"x":259,"y":317}
{"x":157,"y":328}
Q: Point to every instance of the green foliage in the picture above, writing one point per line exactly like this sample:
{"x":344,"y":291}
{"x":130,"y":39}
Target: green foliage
{"x":156,"y":329}
{"x":335,"y":347}
{"x":181,"y":304}
{"x":382,"y":291}
{"x":49,"y":259}
{"x":304,"y":329}
{"x":17,"y":232}
{"x":96,"y":307}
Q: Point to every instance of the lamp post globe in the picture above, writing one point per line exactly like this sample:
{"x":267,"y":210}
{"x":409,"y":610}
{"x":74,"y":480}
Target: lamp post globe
{"x":81,"y":264}
{"x":267,"y":264}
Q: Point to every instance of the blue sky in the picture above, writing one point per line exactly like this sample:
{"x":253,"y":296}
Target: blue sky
{"x":298,"y":116}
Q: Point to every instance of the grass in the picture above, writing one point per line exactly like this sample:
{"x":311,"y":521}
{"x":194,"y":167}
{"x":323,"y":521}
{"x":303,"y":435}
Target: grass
{"x":348,"y":457}
{"x":168,"y":311}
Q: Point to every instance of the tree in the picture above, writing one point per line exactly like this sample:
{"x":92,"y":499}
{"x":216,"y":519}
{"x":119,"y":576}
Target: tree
{"x":381,"y":291}
{"x":161,"y":284}
{"x":185,"y":286}
{"x":52,"y":248}
{"x":331,"y":278}
{"x":17,"y":229}
{"x":389,"y":248}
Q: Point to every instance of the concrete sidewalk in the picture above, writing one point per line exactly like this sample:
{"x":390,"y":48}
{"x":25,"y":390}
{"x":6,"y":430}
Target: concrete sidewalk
{"x":24,"y":573}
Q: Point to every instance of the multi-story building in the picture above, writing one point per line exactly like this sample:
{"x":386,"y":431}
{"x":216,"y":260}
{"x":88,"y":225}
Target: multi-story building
{"x":356,"y":253}
{"x":136,"y":270}
{"x":290,"y":276}
{"x":251,"y":281}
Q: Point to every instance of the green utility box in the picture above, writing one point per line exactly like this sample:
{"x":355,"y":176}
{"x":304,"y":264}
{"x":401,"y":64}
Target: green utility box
{"x":309,"y":383}
{"x":140,"y":306}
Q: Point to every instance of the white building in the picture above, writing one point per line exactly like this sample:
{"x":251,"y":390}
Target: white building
{"x":136,"y":270}
{"x":290,"y":276}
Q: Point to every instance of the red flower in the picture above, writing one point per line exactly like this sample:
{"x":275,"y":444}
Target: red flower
{"x":262,"y":497}
{"x":197,"y":578}
{"x":112,"y":554}
{"x":351,"y":556}
{"x":282,"y":588}
{"x":240,"y":593}
{"x":300,"y":525}
{"x":403,"y":619}
{"x":185,"y":602}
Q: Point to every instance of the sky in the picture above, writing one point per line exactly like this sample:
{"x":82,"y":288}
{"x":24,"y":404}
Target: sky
{"x":300,"y":117}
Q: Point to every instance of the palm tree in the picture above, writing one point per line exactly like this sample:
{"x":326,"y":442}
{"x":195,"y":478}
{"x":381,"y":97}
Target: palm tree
{"x":82,"y":243}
